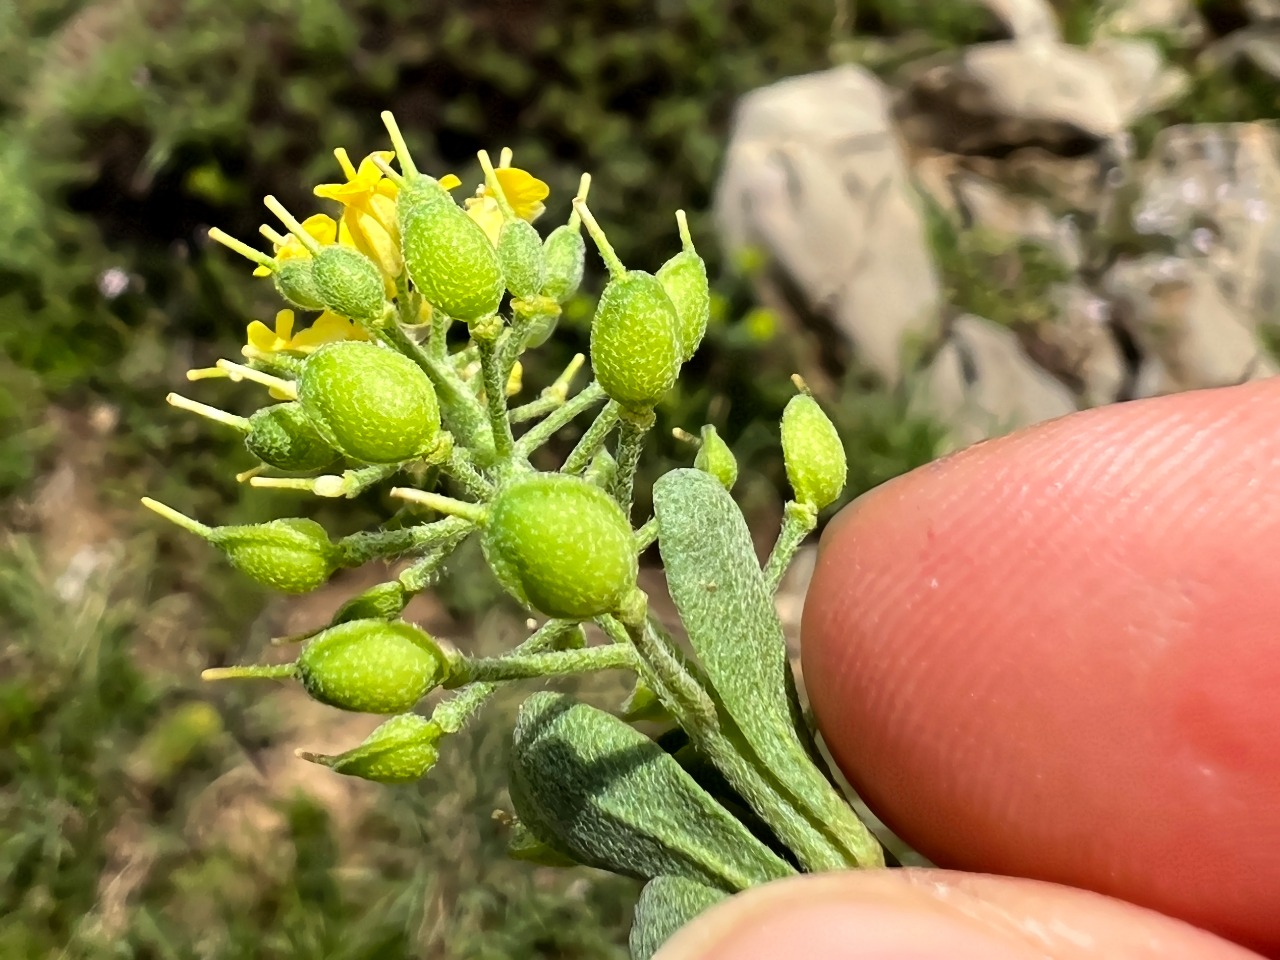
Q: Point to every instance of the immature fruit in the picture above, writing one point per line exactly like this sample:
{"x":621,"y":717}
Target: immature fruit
{"x":634,"y":350}
{"x":684,"y":277}
{"x":282,"y":436}
{"x":350,"y":284}
{"x":297,"y":284}
{"x":401,"y":750}
{"x":715,"y":457}
{"x":812,"y":452}
{"x":520,"y":255}
{"x":373,"y":404}
{"x":292,"y":555}
{"x":382,"y":601}
{"x":565,"y":253}
{"x":560,"y":545}
{"x":447,"y":254}
{"x":371,"y":666}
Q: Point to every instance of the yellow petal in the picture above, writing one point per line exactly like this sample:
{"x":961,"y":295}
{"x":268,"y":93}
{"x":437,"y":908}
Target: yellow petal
{"x":262,"y":271}
{"x":284,"y":325}
{"x":260,"y":337}
{"x":524,"y":191}
{"x":486,"y":212}
{"x":370,"y":173}
{"x":321,"y":226}
{"x":450,"y":182}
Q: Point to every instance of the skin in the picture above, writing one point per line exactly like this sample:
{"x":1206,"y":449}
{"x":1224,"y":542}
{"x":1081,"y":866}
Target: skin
{"x":1052,"y":657}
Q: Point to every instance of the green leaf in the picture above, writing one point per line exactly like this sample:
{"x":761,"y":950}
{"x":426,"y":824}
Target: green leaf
{"x":666,"y":904}
{"x":604,"y":794}
{"x":727,"y":609}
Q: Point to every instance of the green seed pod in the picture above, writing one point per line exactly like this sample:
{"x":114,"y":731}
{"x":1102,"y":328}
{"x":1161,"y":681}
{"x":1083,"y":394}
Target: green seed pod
{"x":371,"y":666}
{"x":684,"y":277}
{"x":292,"y":555}
{"x":812,"y":452}
{"x":295,"y":282}
{"x":634,"y":349}
{"x":382,"y":601}
{"x":520,"y":254}
{"x":401,"y":750}
{"x":349,"y":283}
{"x":715,"y":457}
{"x":560,"y":545}
{"x":282,"y":436}
{"x":373,"y":404}
{"x":565,"y":253}
{"x":447,"y":254}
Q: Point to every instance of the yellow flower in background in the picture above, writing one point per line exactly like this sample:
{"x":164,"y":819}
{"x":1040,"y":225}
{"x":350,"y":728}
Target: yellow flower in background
{"x":323,"y":228}
{"x":328,"y":327}
{"x":368,"y":210}
{"x":524,"y":192}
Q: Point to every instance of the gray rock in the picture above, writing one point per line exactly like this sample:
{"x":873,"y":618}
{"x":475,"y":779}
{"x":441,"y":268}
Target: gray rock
{"x":995,"y":96}
{"x":981,"y":384}
{"x":1258,"y":45}
{"x":1142,"y":82}
{"x":1026,"y":20}
{"x":815,"y":180}
{"x":1177,"y":19}
{"x":1079,"y":346}
{"x":1212,"y":192}
{"x":1189,"y":333}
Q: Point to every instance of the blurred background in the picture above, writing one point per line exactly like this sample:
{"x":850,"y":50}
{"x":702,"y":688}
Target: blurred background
{"x":954,"y":218}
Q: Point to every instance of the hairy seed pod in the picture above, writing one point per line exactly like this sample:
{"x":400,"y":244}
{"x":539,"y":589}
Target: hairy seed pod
{"x":634,"y":350}
{"x":684,"y":277}
{"x":295,"y":282}
{"x":560,"y":545}
{"x":715,"y":457}
{"x":401,"y":750}
{"x":371,"y":666}
{"x":812,"y":452}
{"x":520,"y":254}
{"x":564,"y":252}
{"x":283,"y":436}
{"x":382,"y":601}
{"x":447,"y":254}
{"x":292,"y":555}
{"x":349,"y":283}
{"x":373,"y":404}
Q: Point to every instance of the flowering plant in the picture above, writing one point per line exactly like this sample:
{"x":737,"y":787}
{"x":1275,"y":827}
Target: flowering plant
{"x":379,"y":389}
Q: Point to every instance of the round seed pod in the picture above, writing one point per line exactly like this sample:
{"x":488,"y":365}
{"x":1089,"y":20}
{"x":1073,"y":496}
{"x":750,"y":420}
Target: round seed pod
{"x":295,"y":282}
{"x":560,"y":545}
{"x":520,"y":255}
{"x":371,"y":666}
{"x":291,"y":555}
{"x":634,"y":350}
{"x":565,"y":254}
{"x":349,"y":283}
{"x":282,"y":436}
{"x":812,"y":453}
{"x":372,"y":404}
{"x":684,"y":277}
{"x":715,"y":457}
{"x":382,"y":601}
{"x":447,"y":254}
{"x":401,"y":750}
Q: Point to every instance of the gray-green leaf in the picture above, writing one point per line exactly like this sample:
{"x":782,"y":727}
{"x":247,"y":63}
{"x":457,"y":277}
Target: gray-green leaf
{"x":666,"y":904}
{"x":727,"y":610}
{"x":601,"y":792}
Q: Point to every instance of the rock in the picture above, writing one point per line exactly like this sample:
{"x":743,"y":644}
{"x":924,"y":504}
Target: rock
{"x":1079,"y":347}
{"x":815,"y":180}
{"x":981,"y":384}
{"x":1026,"y":20}
{"x":1258,"y":45}
{"x":1212,"y":191}
{"x":1263,"y":11}
{"x":1141,"y":80}
{"x":1178,"y":20}
{"x":993,"y":97}
{"x":1179,"y":318}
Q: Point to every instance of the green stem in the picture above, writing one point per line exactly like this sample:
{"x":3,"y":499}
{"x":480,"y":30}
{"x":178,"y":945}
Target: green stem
{"x":451,"y":715}
{"x":593,"y":439}
{"x":630,"y":445}
{"x":420,"y":574}
{"x":495,"y":395}
{"x":407,"y":301}
{"x":646,"y":535}
{"x":798,"y":522}
{"x":438,"y":339}
{"x":560,"y":663}
{"x":472,"y":481}
{"x":534,"y":409}
{"x":350,"y":483}
{"x":539,"y":434}
{"x":360,"y":548}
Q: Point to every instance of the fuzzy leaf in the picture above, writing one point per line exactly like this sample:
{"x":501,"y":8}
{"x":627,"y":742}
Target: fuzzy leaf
{"x":601,"y":792}
{"x":727,"y":610}
{"x":666,"y":904}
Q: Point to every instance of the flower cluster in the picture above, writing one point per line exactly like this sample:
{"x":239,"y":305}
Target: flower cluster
{"x":383,"y":387}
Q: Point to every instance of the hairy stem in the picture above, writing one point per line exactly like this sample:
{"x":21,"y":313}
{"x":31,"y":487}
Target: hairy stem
{"x":591,"y":442}
{"x":798,"y":522}
{"x":631,"y":436}
{"x":369,"y":545}
{"x":559,"y":663}
{"x":539,"y":434}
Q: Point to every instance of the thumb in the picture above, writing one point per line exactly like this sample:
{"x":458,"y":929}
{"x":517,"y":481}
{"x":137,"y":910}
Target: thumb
{"x":936,"y":915}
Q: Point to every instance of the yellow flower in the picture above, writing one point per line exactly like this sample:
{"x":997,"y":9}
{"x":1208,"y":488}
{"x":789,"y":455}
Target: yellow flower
{"x":327,"y":328}
{"x":485,"y":211}
{"x":524,"y":192}
{"x":368,"y":210}
{"x":323,"y":228}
